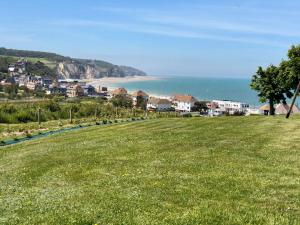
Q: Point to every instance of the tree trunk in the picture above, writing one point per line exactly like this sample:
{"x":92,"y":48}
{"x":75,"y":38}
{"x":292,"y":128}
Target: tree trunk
{"x":272,"y":109}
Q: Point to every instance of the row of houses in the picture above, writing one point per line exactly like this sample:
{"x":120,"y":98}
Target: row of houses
{"x":75,"y":88}
{"x":183,"y":103}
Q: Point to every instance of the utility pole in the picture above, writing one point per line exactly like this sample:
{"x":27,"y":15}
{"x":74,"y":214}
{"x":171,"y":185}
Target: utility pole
{"x":293,"y":102}
{"x":96,"y":113}
{"x":39,"y":117}
{"x":71,"y":116}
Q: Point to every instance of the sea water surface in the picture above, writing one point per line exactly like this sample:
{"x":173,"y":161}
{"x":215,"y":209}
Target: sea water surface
{"x":201,"y":88}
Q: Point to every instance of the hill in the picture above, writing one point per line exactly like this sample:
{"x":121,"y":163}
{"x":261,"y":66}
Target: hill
{"x":231,"y":170}
{"x":66,"y":67}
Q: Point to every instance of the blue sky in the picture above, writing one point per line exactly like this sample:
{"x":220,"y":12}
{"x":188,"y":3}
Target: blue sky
{"x":221,"y":38}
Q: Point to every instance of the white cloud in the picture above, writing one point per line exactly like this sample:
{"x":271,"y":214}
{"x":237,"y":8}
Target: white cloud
{"x":166,"y":31}
{"x":252,"y":20}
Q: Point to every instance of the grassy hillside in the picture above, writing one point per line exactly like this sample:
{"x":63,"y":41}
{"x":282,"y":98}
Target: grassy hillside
{"x":235,"y":170}
{"x":81,"y":68}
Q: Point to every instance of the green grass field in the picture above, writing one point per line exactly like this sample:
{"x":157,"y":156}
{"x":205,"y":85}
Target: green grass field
{"x":231,"y":170}
{"x":46,"y":61}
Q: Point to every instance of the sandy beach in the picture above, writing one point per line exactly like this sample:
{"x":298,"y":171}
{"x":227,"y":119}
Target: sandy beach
{"x":111,"y":81}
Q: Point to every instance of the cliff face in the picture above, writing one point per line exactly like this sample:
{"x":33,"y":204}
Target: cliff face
{"x":62,"y":67}
{"x":80,"y":70}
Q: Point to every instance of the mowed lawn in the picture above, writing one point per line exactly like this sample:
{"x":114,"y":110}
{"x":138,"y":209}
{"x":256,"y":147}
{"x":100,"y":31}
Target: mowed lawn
{"x":231,"y":170}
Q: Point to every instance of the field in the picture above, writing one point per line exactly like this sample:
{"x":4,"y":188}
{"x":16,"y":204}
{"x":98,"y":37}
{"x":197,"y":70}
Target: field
{"x":230,"y":170}
{"x":47,"y":62}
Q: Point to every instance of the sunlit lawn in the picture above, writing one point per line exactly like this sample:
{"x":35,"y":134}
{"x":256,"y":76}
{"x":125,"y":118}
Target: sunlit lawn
{"x":231,"y":170}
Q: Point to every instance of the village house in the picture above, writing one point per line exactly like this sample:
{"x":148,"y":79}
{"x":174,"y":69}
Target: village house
{"x":89,"y":90}
{"x":213,"y":109}
{"x":71,"y":82}
{"x":280,"y":109}
{"x":101,"y":90}
{"x":33,"y":85}
{"x":75,"y":91}
{"x":183,"y":103}
{"x":46,"y":82}
{"x":11,"y":68}
{"x":231,"y":107}
{"x":55,"y":89}
{"x":159,"y":104}
{"x":139,"y":94}
{"x":8,"y":82}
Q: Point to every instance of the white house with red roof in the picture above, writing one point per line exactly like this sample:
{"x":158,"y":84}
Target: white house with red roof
{"x":183,"y":103}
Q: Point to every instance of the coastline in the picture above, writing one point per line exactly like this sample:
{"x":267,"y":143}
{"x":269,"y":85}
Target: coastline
{"x":114,"y":82}
{"x":110,"y":81}
{"x":200,"y":88}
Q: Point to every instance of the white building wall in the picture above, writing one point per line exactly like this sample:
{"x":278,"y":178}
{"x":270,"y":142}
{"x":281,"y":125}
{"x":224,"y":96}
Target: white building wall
{"x":183,"y":106}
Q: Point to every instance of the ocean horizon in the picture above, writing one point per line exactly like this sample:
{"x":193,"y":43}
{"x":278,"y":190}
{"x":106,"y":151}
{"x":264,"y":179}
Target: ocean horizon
{"x":203,"y":88}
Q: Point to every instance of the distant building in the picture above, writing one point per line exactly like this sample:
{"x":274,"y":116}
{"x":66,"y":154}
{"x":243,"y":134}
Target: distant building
{"x":101,"y":90}
{"x":71,"y":82}
{"x":46,"y":82}
{"x":213,"y":109}
{"x":8,"y":82}
{"x":231,"y":107}
{"x":138,"y":94}
{"x":75,"y":91}
{"x":55,"y":89}
{"x":159,"y":104}
{"x":265,"y":109}
{"x":32,"y":85}
{"x":119,"y":91}
{"x":89,"y":90}
{"x":11,"y":68}
{"x":280,"y":109}
{"x":253,"y":111}
{"x":183,"y":103}
{"x":283,"y":109}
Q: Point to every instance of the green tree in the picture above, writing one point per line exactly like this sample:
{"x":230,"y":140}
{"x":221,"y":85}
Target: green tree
{"x":11,"y":90}
{"x":290,"y":69}
{"x":141,"y":102}
{"x":200,"y":107}
{"x":270,"y":86}
{"x":122,"y":101}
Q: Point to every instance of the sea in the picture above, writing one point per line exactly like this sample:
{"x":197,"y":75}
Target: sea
{"x":234,"y":89}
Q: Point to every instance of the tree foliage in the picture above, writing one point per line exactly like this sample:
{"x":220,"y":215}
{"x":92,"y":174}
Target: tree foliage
{"x":290,"y":69}
{"x":200,"y":106}
{"x":121,"y":101}
{"x":141,"y":102}
{"x":270,"y":86}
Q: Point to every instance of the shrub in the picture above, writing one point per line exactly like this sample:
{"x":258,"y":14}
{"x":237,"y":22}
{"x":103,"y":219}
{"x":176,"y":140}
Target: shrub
{"x":24,"y":117}
{"x":7,"y":118}
{"x":104,"y":121}
{"x":116,"y":121}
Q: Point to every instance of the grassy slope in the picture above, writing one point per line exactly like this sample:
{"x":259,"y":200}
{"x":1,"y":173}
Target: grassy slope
{"x":47,"y":62}
{"x":169,"y":171}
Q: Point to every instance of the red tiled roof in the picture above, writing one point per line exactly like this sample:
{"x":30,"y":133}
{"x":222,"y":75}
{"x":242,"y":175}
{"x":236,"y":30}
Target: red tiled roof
{"x":184,"y":98}
{"x":153,"y":100}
